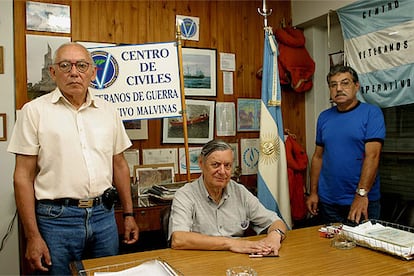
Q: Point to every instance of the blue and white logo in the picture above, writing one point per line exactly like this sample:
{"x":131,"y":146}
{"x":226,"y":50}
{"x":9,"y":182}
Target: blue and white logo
{"x":108,"y":69}
{"x":188,"y":28}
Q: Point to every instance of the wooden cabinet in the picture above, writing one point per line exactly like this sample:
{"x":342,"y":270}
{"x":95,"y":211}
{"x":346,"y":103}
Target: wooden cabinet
{"x":147,"y":218}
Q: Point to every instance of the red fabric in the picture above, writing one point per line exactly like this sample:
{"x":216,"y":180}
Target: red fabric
{"x":297,"y":162}
{"x":296,"y":67}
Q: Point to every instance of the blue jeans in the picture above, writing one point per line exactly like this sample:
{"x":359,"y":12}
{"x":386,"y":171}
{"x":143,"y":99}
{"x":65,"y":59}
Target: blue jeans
{"x":333,"y":213}
{"x":73,"y":233}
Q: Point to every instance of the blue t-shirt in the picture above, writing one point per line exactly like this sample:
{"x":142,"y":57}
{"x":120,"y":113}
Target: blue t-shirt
{"x":343,"y":136}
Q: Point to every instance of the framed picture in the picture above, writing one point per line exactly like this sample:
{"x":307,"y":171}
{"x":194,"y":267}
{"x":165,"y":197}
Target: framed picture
{"x":132,"y":157}
{"x":200,"y":124}
{"x":336,"y":59}
{"x":199,"y":69}
{"x":3,"y":127}
{"x":161,"y":156}
{"x":248,"y":114}
{"x":47,"y":17}
{"x":137,"y":129}
{"x":40,"y":50}
{"x":225,"y":119}
{"x":193,"y":154}
{"x":147,"y":176}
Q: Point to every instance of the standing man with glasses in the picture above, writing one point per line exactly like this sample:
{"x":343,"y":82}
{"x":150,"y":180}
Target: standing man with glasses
{"x":344,"y":180}
{"x":69,"y":152}
{"x":210,"y":212}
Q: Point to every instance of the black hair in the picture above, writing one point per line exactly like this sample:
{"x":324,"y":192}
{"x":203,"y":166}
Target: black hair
{"x":342,"y":69}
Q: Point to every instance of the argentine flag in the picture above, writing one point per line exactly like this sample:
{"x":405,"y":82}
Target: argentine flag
{"x":379,"y":41}
{"x":272,"y":178}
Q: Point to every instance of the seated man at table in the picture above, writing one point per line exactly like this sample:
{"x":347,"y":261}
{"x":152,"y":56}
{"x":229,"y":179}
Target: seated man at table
{"x":210,"y":212}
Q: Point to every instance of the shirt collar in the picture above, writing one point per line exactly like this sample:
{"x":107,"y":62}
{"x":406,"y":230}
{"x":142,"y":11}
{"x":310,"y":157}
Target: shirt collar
{"x":57,"y":95}
{"x":204,"y":190}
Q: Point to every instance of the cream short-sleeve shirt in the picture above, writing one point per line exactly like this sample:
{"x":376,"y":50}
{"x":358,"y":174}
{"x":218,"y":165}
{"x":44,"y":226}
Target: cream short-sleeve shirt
{"x":74,"y":147}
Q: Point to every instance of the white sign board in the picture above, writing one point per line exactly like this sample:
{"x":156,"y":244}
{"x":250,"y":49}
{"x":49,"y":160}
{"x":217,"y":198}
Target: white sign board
{"x":142,"y":81}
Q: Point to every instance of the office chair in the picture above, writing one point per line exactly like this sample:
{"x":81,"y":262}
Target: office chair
{"x":165,"y":219}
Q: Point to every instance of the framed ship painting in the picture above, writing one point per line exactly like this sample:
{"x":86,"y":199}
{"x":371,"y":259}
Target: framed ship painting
{"x":199,"y":70}
{"x":200,"y":124}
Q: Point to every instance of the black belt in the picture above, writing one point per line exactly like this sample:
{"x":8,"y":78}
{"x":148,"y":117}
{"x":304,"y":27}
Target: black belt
{"x":81,"y":203}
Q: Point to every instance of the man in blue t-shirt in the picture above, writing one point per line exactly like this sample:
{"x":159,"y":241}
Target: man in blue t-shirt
{"x":344,"y":181}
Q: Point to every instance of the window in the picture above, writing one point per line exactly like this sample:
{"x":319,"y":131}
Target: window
{"x":397,"y":159}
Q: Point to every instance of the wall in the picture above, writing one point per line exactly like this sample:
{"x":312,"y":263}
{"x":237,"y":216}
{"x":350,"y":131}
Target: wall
{"x":227,"y":26}
{"x":305,"y":11}
{"x":9,"y":256}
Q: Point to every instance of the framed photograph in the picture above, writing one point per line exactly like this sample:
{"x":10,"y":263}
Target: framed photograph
{"x":3,"y":127}
{"x":193,"y":154}
{"x":249,"y":154}
{"x":161,"y":156}
{"x":199,"y":69}
{"x":235,"y":147}
{"x":153,"y":174}
{"x":47,"y":17}
{"x":248,"y":114}
{"x":137,"y":129}
{"x":40,"y":50}
{"x":200,"y":124}
{"x":225,"y":119}
{"x":132,"y":157}
{"x":336,"y":59}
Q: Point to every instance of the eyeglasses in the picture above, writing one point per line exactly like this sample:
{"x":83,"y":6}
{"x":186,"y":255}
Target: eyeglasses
{"x":66,"y":66}
{"x":345,"y":84}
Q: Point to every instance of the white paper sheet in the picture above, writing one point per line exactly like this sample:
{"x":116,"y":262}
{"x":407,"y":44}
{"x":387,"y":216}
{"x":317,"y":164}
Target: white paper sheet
{"x":153,"y":268}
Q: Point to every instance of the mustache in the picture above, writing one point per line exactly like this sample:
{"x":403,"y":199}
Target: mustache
{"x":340,"y":94}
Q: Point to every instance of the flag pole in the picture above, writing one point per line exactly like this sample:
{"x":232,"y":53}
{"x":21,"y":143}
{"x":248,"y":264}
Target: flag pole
{"x":184,"y":109}
{"x":268,"y":31}
{"x":265,"y":13}
{"x":272,"y":176}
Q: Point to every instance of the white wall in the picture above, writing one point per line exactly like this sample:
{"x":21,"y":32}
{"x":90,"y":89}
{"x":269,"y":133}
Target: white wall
{"x":9,"y":256}
{"x":308,"y":10}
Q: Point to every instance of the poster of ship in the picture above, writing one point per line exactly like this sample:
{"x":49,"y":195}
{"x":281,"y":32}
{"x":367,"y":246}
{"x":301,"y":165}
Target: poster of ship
{"x":200,"y":123}
{"x":199,"y":71}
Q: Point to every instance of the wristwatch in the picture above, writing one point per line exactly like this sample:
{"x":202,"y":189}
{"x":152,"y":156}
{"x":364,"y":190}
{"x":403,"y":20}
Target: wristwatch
{"x":281,"y":233}
{"x":361,"y":192}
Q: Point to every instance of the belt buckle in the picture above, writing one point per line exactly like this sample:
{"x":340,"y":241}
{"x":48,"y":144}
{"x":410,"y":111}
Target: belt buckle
{"x":85,"y":203}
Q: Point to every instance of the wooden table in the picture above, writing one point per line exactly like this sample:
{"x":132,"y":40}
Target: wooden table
{"x":302,"y":253}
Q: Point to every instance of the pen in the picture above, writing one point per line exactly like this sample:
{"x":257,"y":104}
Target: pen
{"x":255,"y":255}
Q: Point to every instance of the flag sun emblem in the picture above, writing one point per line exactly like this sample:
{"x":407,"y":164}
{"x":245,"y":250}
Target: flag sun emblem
{"x":269,"y":149}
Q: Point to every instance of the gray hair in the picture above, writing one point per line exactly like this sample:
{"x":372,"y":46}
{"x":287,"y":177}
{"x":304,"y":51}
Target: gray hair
{"x":212,"y":146}
{"x":89,"y":56}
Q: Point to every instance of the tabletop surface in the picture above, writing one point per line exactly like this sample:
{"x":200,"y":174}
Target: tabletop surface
{"x":304,"y":252}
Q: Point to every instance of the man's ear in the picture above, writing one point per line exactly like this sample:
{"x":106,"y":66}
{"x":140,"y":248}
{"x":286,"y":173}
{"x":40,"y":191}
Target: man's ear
{"x":200,"y":161}
{"x":95,"y":71}
{"x":52,"y":72}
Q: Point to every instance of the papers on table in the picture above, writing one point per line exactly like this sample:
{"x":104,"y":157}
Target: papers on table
{"x":385,"y":238}
{"x":152,"y":267}
{"x":392,"y":235}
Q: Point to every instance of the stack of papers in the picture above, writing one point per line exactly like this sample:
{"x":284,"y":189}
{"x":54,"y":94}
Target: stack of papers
{"x":385,"y":238}
{"x":152,"y":267}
